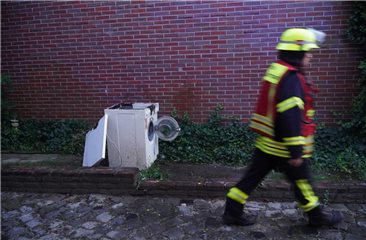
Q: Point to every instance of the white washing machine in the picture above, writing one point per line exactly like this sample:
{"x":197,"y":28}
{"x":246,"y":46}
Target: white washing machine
{"x":133,"y":134}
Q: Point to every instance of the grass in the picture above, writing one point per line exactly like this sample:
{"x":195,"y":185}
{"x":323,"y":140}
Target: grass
{"x":153,"y":172}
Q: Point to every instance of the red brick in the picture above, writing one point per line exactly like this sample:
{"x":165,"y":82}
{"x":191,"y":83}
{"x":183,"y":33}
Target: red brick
{"x":137,"y":46}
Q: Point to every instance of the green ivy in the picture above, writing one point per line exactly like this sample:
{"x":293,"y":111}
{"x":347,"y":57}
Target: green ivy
{"x":212,"y":142}
{"x":356,"y":31}
{"x":357,"y":124}
{"x":6,"y":105}
{"x":337,"y":153}
{"x":222,"y":140}
{"x":356,"y":34}
{"x":153,"y":172}
{"x":44,"y":136}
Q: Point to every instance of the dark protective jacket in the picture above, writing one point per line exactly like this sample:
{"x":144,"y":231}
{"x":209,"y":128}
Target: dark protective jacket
{"x":284,"y":113}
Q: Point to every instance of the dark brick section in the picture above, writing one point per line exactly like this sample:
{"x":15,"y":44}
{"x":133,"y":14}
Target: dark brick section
{"x":96,"y":180}
{"x":124,"y":181}
{"x":72,"y":59}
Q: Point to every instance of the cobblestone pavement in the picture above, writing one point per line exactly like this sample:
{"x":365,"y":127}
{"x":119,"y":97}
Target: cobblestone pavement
{"x":95,"y":216}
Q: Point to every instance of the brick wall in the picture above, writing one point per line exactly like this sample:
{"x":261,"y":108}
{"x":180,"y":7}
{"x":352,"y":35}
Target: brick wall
{"x":73,"y":59}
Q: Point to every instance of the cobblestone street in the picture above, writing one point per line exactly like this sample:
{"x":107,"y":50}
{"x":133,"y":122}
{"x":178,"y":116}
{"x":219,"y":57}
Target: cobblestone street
{"x":95,"y":216}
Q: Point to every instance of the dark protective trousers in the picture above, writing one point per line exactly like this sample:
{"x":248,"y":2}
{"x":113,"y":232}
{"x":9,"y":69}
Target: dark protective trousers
{"x":260,"y":166}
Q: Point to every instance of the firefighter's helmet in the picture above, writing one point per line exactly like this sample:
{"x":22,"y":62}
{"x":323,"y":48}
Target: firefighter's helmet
{"x":300,"y":39}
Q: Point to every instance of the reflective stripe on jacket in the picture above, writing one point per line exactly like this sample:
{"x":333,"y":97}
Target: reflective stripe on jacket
{"x":263,"y":119}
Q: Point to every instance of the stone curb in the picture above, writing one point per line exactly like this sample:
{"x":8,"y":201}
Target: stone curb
{"x":74,"y":181}
{"x":279,"y":191}
{"x":124,"y":181}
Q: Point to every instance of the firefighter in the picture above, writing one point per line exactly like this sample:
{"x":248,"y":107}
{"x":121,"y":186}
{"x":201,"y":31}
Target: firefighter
{"x":283,"y":120}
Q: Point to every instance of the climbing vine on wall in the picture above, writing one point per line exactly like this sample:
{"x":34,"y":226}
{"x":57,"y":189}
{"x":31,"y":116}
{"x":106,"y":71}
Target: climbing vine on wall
{"x":356,"y":34}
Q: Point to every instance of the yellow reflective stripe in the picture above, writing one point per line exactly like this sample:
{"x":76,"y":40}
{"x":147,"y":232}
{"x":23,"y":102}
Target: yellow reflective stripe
{"x":294,"y":140}
{"x":308,"y":149}
{"x":280,"y":149}
{"x":272,"y":151}
{"x":274,"y":73}
{"x":309,"y":139}
{"x":272,"y":147}
{"x":272,"y":143}
{"x":310,"y":113}
{"x":262,"y":128}
{"x":237,"y":195}
{"x":271,"y":100}
{"x":308,"y":193}
{"x":290,"y":103}
{"x":313,"y":203}
{"x":262,"y":119}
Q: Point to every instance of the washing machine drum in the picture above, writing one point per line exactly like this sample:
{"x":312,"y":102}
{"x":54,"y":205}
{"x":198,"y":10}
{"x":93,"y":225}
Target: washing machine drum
{"x":167,"y":128}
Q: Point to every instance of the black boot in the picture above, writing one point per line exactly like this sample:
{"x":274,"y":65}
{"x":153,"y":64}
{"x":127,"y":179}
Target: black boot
{"x":229,"y":219}
{"x":233,"y":214}
{"x":318,"y":217}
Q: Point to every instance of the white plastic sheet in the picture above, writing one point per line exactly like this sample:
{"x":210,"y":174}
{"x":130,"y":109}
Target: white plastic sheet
{"x":95,"y":143}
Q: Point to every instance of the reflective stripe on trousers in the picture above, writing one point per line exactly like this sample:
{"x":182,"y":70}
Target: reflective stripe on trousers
{"x":262,"y":164}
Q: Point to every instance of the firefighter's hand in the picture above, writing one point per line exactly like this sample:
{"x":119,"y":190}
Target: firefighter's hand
{"x":296,"y":162}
